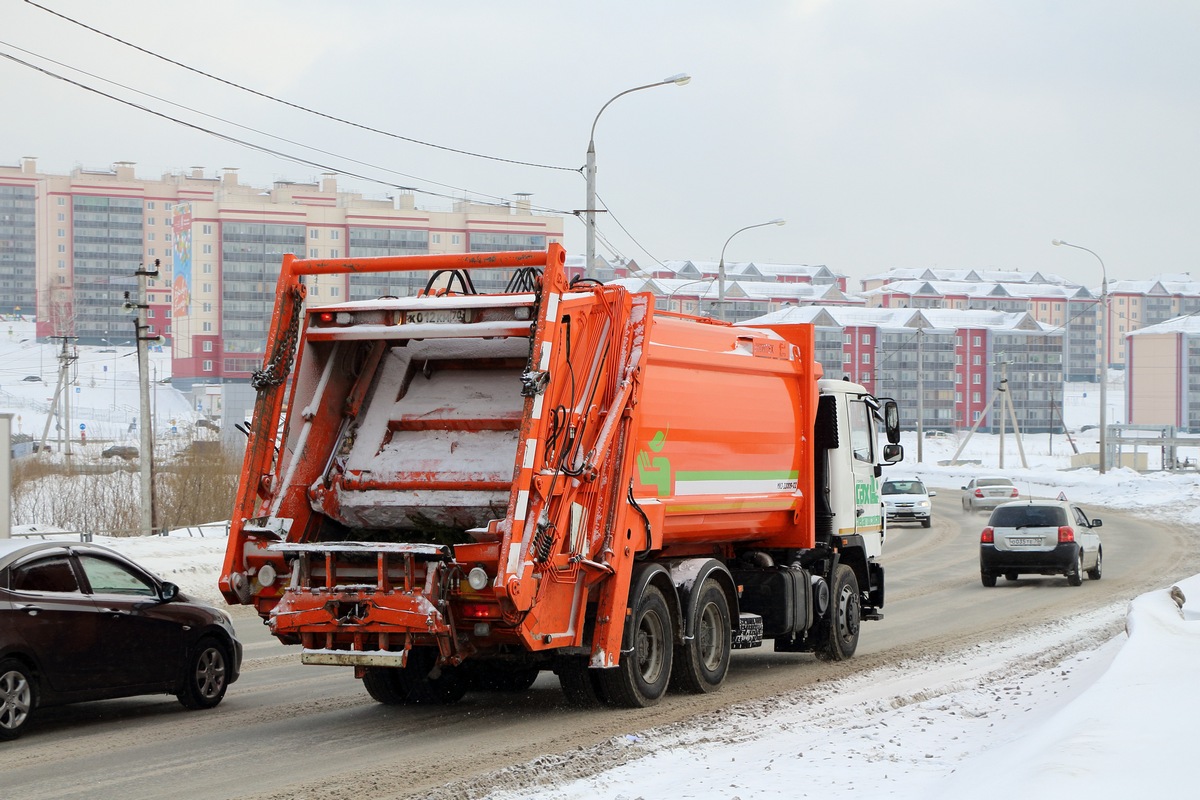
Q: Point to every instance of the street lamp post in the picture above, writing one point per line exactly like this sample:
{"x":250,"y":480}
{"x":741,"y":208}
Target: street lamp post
{"x":721,"y":265}
{"x":590,"y":209}
{"x":1103,"y":350}
{"x":673,"y":292}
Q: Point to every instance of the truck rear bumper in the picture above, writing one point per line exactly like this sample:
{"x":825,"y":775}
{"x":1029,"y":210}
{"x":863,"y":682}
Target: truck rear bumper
{"x":354,"y":658}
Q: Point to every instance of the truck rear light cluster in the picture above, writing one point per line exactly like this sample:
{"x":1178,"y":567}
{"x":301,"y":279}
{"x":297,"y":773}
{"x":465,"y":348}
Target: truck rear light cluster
{"x":480,"y":610}
{"x":988,"y":536}
{"x":1066,"y":534}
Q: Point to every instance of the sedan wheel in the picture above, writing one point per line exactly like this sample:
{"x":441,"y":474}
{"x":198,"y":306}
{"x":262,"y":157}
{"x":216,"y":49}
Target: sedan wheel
{"x":206,"y":677}
{"x":17,"y":698}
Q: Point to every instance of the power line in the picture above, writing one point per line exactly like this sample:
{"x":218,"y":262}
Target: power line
{"x":499,"y":200}
{"x":243,"y":142}
{"x":296,"y":106}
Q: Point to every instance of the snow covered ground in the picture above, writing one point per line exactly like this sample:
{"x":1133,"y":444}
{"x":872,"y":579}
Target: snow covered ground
{"x":1030,"y":716}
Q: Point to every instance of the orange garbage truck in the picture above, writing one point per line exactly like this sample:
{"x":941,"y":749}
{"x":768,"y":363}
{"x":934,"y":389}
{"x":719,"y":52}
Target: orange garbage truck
{"x":460,"y":489}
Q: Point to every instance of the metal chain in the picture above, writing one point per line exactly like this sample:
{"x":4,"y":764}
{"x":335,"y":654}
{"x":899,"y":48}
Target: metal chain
{"x":271,"y":374}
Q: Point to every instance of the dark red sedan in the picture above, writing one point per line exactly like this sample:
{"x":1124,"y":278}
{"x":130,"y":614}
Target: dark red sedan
{"x":81,"y":622}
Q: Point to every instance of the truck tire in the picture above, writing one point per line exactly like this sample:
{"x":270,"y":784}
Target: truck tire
{"x":845,"y":616}
{"x":647,"y":652}
{"x":420,"y":682}
{"x":580,"y":685}
{"x":702,"y":662}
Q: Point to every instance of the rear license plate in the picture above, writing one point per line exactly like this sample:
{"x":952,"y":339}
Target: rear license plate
{"x":438,"y":316}
{"x":1024,"y":542}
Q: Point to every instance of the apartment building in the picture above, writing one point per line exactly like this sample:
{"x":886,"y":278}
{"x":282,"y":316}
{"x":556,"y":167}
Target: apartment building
{"x":948,"y":363}
{"x":219,"y":245}
{"x":1162,"y":381}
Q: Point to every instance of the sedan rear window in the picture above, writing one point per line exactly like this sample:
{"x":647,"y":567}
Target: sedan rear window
{"x":994,"y":482}
{"x":1029,"y":517}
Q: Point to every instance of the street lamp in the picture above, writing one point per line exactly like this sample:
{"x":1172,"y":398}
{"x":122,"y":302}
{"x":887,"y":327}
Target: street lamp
{"x":688,"y":283}
{"x":1103,"y":349}
{"x":590,"y":209}
{"x":721,"y":266}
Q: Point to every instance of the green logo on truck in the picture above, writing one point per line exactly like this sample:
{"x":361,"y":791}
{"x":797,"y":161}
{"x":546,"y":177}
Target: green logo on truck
{"x":655,"y":470}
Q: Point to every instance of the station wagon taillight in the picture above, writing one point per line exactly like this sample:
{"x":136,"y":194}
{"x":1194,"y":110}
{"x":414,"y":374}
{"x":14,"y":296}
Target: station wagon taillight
{"x":988,"y":536}
{"x":1066,"y":534}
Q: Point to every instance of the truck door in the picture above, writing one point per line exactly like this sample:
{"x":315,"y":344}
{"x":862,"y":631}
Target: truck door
{"x":868,"y":517}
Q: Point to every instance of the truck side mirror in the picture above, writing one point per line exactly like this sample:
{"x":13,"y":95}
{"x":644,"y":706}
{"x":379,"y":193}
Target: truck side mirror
{"x":893,"y":453}
{"x":891,"y":421}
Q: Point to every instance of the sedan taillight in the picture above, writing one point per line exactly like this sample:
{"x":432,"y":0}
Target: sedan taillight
{"x":979,"y":492}
{"x":1066,"y":534}
{"x":1014,"y":492}
{"x":988,"y":536}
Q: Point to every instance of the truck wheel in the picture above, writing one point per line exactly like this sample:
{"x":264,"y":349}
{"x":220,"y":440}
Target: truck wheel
{"x":580,"y":685}
{"x":383,"y":685}
{"x":702,"y":662}
{"x":420,"y":682}
{"x":646,"y":654}
{"x":206,"y":678}
{"x":18,"y":697}
{"x":845,"y":616}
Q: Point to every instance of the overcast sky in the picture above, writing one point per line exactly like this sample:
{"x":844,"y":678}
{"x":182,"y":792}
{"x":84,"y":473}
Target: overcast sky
{"x":924,"y":133}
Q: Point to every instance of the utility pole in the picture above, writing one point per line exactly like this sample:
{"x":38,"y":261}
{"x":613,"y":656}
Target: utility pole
{"x":62,"y":391}
{"x":146,"y":447}
{"x":920,"y":398}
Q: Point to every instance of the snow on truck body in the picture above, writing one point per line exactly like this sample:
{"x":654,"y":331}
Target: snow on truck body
{"x":470,"y":488}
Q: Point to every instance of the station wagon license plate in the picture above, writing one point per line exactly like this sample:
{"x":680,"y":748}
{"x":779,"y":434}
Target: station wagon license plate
{"x":1024,"y":542}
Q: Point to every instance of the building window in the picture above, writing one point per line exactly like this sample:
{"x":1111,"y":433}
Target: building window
{"x":206,"y":307}
{"x":847,"y":358}
{"x":62,"y":248}
{"x":334,"y":291}
{"x":61,"y":216}
{"x":150,"y":252}
{"x":976,"y":379}
{"x":436,"y":238}
{"x":150,"y":220}
{"x":62,"y":201}
{"x":206,"y":288}
{"x":335,"y":252}
{"x":206,"y":366}
{"x":312,"y":252}
{"x":62,"y":231}
{"x":958,"y":341}
{"x":866,"y":338}
{"x":207,"y":229}
{"x":958,"y":378}
{"x":207,"y":267}
{"x":207,"y":347}
{"x":150,"y":206}
{"x":977,"y":360}
{"x":335,"y":234}
{"x":978,"y":341}
{"x":206,"y":327}
{"x":974,"y":397}
{"x":314,"y":234}
{"x":456,"y":239}
{"x":958,"y":397}
{"x":864,"y":377}
{"x":866,"y":358}
{"x":150,"y":237}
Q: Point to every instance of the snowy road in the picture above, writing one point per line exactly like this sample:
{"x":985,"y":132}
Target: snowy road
{"x":287,"y":731}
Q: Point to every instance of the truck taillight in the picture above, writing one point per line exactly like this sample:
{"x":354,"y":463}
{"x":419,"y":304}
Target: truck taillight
{"x":988,"y":536}
{"x":979,"y":492}
{"x":480,"y":610}
{"x":325,"y":318}
{"x":1066,"y":534}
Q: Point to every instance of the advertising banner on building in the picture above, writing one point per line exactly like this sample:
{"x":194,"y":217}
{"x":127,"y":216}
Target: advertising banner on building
{"x":181,"y":288}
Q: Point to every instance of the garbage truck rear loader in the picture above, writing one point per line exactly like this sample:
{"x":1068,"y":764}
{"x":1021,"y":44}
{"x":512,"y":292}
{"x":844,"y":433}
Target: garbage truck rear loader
{"x":460,"y":489}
